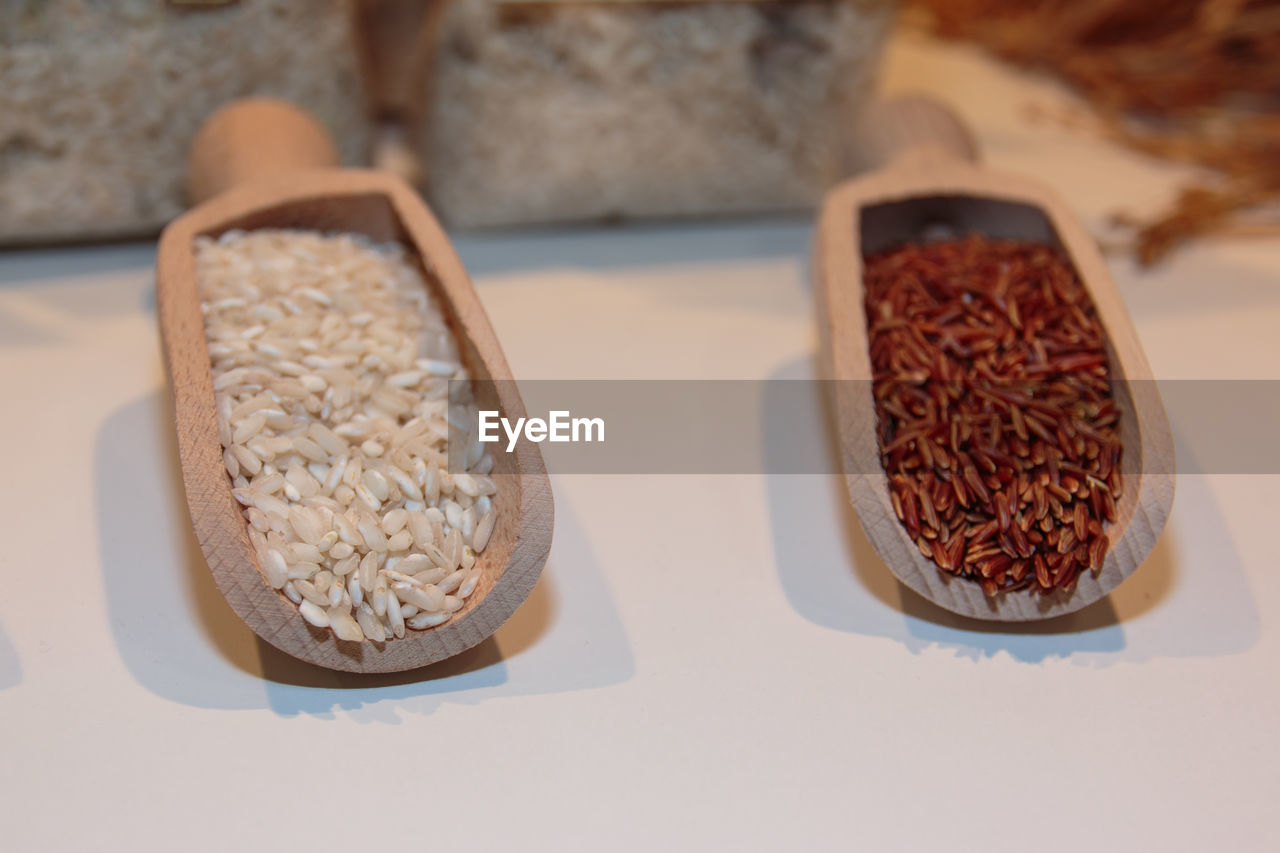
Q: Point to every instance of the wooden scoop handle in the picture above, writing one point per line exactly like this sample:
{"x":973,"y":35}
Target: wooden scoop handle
{"x":251,"y":139}
{"x":912,"y":126}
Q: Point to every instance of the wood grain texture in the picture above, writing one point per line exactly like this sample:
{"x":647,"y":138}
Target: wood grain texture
{"x":394,"y":42}
{"x":910,"y":126}
{"x":254,"y":138}
{"x":898,"y":204}
{"x":383,"y":208}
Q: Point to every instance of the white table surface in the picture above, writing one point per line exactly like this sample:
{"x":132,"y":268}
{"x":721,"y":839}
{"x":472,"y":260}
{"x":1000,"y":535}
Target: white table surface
{"x":707,"y":661}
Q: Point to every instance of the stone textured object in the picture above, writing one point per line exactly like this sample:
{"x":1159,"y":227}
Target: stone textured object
{"x":550,"y":111}
{"x":99,"y":101}
{"x":524,"y":111}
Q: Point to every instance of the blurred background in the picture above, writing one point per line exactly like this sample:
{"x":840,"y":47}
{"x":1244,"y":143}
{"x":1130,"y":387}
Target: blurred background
{"x":696,"y":643}
{"x":517,"y":112}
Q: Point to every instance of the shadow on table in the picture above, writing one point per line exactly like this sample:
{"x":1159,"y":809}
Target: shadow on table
{"x":707,"y":277}
{"x":833,"y":577}
{"x":1243,"y":275}
{"x":34,"y":266}
{"x":180,"y":639}
{"x":603,"y":247}
{"x":47,"y":288}
{"x":10,"y":664}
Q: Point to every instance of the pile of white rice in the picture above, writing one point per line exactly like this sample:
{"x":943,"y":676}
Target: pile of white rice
{"x":331,"y":366}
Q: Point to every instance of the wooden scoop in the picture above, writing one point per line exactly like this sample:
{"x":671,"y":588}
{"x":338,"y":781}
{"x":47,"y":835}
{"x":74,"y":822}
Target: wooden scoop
{"x":265,"y":164}
{"x":932,"y":184}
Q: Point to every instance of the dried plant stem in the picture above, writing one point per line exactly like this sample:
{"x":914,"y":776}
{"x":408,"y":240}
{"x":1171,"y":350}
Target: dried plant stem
{"x":1197,"y":81}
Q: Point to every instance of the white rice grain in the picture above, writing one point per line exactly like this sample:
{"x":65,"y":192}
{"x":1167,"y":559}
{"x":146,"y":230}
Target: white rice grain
{"x":331,"y":363}
{"x":429,"y":619}
{"x":469,"y":585}
{"x":453,"y":581}
{"x":275,"y":567}
{"x":314,"y":614}
{"x":431,"y":575}
{"x":394,"y":521}
{"x":371,"y":532}
{"x":344,"y":626}
{"x":394,"y":620}
{"x":368,"y":571}
{"x":484,"y":529}
{"x":370,"y":624}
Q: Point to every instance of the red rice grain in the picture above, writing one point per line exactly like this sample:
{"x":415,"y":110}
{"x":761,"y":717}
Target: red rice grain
{"x":995,"y":419}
